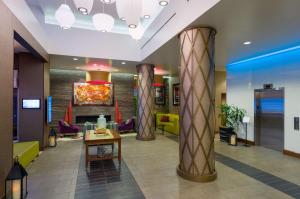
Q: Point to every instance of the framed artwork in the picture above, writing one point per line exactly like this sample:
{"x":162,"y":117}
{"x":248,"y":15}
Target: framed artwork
{"x":176,"y":94}
{"x":91,"y":94}
{"x":160,"y":95}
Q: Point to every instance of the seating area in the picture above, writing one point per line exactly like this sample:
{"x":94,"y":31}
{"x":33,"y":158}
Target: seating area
{"x":168,"y":122}
{"x":26,"y":152}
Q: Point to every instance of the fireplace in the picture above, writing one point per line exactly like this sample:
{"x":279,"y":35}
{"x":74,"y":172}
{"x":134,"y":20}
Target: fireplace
{"x":81,"y":119}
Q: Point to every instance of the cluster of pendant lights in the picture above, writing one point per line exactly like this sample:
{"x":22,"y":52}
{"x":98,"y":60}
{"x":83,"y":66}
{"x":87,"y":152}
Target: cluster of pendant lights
{"x":130,"y":11}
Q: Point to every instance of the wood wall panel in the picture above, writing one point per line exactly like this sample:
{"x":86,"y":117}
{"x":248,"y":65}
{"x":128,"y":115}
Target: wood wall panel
{"x":6,"y":94}
{"x":62,"y":90}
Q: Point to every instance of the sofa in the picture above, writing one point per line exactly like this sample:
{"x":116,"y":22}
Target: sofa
{"x":26,"y":152}
{"x":65,"y":128}
{"x":172,"y":126}
{"x":127,"y":126}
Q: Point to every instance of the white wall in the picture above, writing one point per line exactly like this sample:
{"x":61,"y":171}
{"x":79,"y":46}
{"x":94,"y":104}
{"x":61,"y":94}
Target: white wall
{"x":283,"y":70}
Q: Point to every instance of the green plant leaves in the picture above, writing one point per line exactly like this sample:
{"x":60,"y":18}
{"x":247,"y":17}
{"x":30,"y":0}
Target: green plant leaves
{"x":231,"y":116}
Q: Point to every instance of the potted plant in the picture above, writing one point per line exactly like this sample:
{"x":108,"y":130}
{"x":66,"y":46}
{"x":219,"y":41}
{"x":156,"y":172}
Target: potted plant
{"x":231,"y":118}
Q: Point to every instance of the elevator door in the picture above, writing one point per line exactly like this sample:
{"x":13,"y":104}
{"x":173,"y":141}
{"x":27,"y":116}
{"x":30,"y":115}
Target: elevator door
{"x":269,"y":118}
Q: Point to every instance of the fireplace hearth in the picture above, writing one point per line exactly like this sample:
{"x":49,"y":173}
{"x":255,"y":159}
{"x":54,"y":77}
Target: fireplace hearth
{"x":81,"y":119}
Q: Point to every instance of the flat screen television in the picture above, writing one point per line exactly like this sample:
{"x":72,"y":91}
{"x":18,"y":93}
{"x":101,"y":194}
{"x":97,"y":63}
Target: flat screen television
{"x":31,"y":103}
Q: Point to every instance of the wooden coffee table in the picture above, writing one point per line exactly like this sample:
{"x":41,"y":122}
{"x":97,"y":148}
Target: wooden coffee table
{"x":92,"y":139}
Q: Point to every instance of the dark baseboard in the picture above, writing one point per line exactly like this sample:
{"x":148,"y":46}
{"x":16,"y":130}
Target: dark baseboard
{"x":291,"y":153}
{"x":246,"y":141}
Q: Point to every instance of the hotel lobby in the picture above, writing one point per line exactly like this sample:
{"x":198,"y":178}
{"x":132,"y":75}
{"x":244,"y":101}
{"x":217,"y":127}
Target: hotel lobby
{"x":149,"y":99}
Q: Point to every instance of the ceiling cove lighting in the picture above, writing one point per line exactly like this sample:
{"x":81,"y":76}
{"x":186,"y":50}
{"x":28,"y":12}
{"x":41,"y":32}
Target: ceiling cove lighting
{"x":265,"y":55}
{"x":65,"y":16}
{"x":84,"y":6}
{"x":163,"y":2}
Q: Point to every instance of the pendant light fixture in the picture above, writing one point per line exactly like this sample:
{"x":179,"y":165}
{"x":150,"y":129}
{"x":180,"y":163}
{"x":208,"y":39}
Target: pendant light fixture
{"x":108,"y":1}
{"x":130,"y":10}
{"x":137,"y":33}
{"x":84,"y":6}
{"x":163,"y":2}
{"x":65,"y":16}
{"x":103,"y":22}
{"x":149,"y":8}
{"x":120,"y":5}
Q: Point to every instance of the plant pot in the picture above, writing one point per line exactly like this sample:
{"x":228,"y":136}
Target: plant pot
{"x":225,"y":133}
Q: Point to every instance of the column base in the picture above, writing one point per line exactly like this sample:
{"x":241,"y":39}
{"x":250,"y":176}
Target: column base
{"x":204,"y":178}
{"x":149,"y":138}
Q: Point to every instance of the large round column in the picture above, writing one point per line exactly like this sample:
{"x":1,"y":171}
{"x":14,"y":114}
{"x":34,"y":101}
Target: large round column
{"x":196,"y":148}
{"x":145,"y":102}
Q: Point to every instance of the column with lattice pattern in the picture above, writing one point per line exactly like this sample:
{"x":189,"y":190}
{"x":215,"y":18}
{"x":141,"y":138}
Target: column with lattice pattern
{"x":196,"y":148}
{"x":145,"y":129}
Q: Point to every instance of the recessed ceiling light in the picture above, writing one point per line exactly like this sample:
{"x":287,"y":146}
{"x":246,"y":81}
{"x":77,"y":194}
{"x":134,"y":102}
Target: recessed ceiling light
{"x":83,"y":11}
{"x":132,"y":26}
{"x":123,"y":19}
{"x":247,"y":42}
{"x":123,"y":62}
{"x":147,"y":16}
{"x":163,"y":3}
{"x":75,"y":58}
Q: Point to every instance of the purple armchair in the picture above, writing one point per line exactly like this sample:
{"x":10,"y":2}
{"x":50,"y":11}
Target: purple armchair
{"x":127,"y":126}
{"x":67,"y":129}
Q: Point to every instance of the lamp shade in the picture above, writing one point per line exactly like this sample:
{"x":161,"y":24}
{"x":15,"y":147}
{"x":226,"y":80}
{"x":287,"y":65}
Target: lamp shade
{"x":137,"y":33}
{"x":84,"y":6}
{"x":150,"y":7}
{"x":108,"y":1}
{"x":163,"y":2}
{"x":130,"y":10}
{"x":65,"y":16}
{"x":103,"y":22}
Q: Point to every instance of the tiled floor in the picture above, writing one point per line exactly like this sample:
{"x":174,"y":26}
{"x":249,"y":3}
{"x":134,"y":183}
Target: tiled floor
{"x":153,"y":165}
{"x":106,"y":179}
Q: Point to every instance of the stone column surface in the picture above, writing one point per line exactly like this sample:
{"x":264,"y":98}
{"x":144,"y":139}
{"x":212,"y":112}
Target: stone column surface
{"x":196,"y":141}
{"x":145,"y":128}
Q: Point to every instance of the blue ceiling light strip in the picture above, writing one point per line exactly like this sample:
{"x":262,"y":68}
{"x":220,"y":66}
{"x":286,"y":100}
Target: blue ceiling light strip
{"x":265,"y":55}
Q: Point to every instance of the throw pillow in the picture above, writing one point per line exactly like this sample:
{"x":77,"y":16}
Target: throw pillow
{"x":127,"y":121}
{"x":66,"y":124}
{"x":164,"y":118}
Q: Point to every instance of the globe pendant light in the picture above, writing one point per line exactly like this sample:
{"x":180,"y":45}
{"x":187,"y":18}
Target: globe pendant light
{"x":120,"y":5}
{"x":108,"y":1}
{"x":103,"y":22}
{"x":65,"y":16}
{"x":149,"y":8}
{"x":130,"y":10}
{"x":163,"y":2}
{"x":84,"y":6}
{"x":137,"y":33}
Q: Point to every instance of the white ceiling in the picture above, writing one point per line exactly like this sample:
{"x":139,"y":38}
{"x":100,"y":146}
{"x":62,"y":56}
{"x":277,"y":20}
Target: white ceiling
{"x":48,"y":9}
{"x":269,"y":24}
